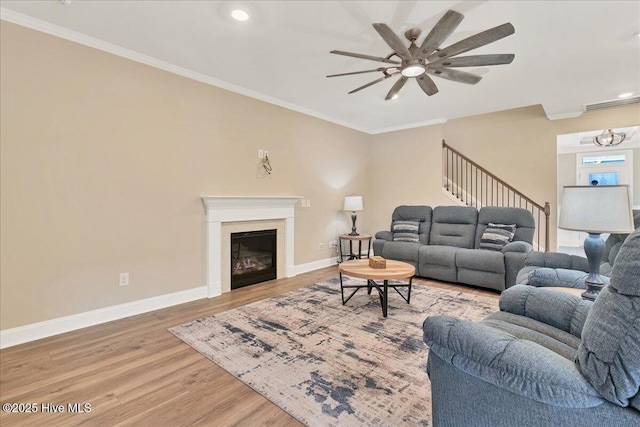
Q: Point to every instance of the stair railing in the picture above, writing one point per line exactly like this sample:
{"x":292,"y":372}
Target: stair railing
{"x":475,"y":186}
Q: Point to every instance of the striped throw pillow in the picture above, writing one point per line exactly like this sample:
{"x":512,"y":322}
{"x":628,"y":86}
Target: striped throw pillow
{"x":405,"y":231}
{"x":496,"y":236}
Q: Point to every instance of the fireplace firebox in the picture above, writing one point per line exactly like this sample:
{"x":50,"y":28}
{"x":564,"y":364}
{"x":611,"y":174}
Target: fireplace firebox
{"x":253,"y":257}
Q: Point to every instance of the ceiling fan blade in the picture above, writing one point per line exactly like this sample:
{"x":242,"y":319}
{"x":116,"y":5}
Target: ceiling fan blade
{"x":362,"y":56}
{"x":386,"y":76}
{"x":440,"y":32}
{"x":473,"y":42}
{"x":427,"y":84}
{"x":359,"y":72}
{"x":475,"y":60}
{"x":455,"y":75}
{"x":396,"y":88}
{"x":393,"y":41}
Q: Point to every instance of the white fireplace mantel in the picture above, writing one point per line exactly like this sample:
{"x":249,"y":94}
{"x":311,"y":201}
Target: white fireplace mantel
{"x":221,"y":209}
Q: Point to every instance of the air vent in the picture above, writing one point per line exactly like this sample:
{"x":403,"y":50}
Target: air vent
{"x":613,"y":104}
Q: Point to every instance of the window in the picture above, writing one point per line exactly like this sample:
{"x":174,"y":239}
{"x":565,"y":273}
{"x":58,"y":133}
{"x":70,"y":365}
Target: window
{"x":604,"y":160}
{"x":607,"y":178}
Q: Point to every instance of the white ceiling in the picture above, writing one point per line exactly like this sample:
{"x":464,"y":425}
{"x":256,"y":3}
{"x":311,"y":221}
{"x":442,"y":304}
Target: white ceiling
{"x":567,"y":53}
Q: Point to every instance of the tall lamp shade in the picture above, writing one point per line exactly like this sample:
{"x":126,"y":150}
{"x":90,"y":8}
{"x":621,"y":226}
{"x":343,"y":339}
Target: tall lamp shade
{"x":353,"y":204}
{"x":595,"y":210}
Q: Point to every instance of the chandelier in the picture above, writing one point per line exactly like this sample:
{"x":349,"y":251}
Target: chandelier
{"x":609,"y":138}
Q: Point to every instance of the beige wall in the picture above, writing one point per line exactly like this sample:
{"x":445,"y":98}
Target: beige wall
{"x":406,"y":169}
{"x":103,"y":163}
{"x":104,"y":160}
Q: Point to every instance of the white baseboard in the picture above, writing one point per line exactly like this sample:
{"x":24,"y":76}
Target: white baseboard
{"x":316,"y":265}
{"x":48,"y":328}
{"x":36,"y":331}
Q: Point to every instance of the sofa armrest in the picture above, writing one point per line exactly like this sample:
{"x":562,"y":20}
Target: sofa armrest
{"x":523,"y":367}
{"x":558,"y":309}
{"x":513,"y":264}
{"x":384,"y":235}
{"x":518,"y":246}
{"x":556,"y":260}
{"x":544,"y":276}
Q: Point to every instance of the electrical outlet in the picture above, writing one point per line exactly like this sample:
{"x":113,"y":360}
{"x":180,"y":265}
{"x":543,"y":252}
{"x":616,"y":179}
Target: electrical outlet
{"x":308,"y":203}
{"x":124,"y":279}
{"x":333,"y":244}
{"x":261,"y":154}
{"x":320,"y":246}
{"x":266,"y":154}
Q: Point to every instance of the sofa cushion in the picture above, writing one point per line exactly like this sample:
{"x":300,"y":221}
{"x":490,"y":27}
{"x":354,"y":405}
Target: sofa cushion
{"x":522,"y":218}
{"x":560,"y":310}
{"x":481,"y":260}
{"x":415,"y":213}
{"x":496,"y":236}
{"x":554,"y":339}
{"x":438,"y":262}
{"x":481,"y":268}
{"x":609,"y":355}
{"x":453,"y":226}
{"x":401,"y":251}
{"x":405,"y":231}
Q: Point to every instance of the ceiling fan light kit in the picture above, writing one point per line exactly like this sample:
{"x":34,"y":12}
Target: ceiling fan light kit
{"x":609,"y":138}
{"x":413,"y":70}
{"x":428,"y":58}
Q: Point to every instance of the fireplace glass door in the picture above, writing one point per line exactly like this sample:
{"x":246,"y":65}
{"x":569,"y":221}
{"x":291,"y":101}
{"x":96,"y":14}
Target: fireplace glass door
{"x":253,"y":257}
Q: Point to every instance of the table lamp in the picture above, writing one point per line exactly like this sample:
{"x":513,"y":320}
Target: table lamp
{"x":596,"y":209}
{"x":353,"y":204}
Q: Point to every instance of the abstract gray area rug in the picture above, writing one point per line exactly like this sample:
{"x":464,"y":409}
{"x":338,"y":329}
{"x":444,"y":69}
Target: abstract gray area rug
{"x":327,"y":364}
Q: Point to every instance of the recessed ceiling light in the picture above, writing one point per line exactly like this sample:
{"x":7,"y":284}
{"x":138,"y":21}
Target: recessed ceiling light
{"x":240,"y":15}
{"x":625,"y":95}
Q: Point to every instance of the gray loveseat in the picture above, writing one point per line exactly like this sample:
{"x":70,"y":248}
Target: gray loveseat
{"x":559,"y":269}
{"x":449,"y":240}
{"x":546,"y":358}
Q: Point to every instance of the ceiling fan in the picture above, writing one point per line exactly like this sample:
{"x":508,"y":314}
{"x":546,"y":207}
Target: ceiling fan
{"x":428,"y":59}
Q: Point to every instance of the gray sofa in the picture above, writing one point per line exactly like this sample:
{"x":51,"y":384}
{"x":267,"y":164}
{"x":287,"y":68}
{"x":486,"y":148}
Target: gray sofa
{"x":449,"y":240}
{"x":559,"y":269}
{"x":546,"y":358}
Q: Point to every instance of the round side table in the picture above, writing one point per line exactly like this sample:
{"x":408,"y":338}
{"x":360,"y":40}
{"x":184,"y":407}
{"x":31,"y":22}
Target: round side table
{"x":349,"y":238}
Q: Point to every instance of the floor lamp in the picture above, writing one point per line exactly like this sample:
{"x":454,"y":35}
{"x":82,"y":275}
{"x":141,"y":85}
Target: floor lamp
{"x":595,"y":210}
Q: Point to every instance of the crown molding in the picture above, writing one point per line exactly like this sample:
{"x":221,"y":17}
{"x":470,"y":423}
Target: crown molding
{"x":54,"y":30}
{"x":437,"y":121}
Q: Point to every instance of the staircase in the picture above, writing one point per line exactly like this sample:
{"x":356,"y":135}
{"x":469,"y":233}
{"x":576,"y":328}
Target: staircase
{"x":470,"y":184}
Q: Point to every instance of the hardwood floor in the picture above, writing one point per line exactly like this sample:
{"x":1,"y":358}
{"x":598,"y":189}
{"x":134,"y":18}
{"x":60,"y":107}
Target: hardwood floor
{"x":132,"y":371}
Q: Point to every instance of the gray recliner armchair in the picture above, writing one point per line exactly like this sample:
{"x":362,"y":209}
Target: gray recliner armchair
{"x":546,"y":358}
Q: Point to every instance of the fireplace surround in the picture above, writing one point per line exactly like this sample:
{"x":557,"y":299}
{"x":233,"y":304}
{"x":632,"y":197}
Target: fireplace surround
{"x":245,"y":213}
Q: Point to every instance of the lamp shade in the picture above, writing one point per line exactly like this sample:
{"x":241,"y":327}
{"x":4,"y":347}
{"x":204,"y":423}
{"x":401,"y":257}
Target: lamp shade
{"x":596,"y":209}
{"x":353,"y":203}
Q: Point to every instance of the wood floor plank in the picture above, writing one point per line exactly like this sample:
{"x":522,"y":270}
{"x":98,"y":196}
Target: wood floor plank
{"x":134,"y":372}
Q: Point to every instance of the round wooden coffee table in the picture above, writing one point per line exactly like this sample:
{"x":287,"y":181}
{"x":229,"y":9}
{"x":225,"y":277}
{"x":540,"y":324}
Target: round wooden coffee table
{"x":395,"y":270}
